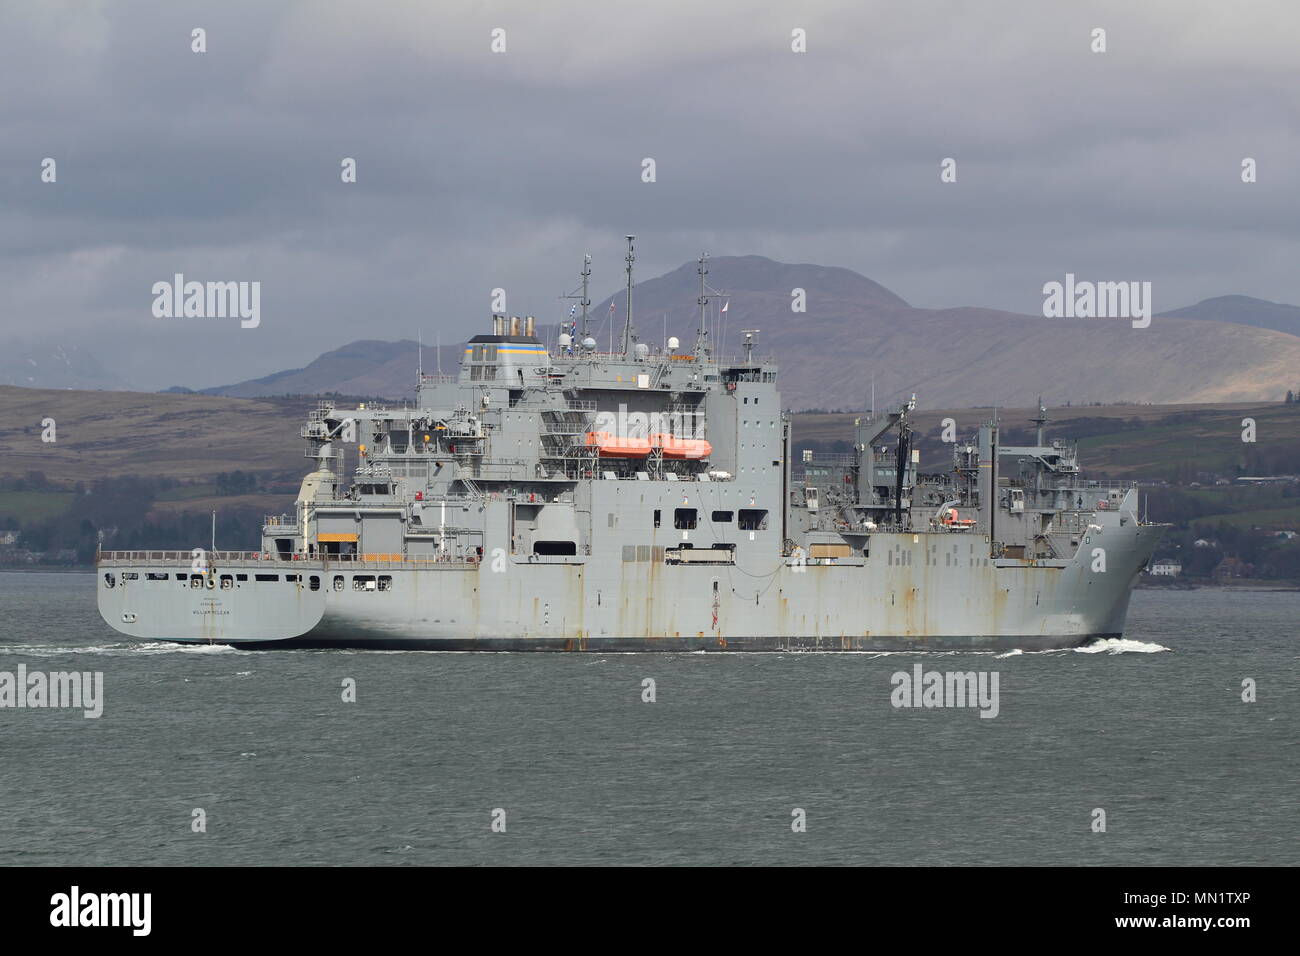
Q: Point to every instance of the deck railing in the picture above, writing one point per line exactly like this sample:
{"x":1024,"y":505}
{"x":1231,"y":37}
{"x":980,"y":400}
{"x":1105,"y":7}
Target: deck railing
{"x":270,"y":560}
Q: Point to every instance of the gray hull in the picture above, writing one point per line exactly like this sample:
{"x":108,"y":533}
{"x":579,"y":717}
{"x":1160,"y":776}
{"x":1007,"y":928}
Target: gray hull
{"x":911,"y":592}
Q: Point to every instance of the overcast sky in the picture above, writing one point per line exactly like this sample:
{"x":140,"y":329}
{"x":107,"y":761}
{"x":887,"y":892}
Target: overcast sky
{"x":479,"y":169}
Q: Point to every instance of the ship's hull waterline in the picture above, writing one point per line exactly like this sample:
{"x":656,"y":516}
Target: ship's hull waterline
{"x":906,"y":594}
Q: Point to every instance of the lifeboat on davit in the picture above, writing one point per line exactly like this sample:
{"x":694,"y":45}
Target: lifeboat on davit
{"x":612,"y":446}
{"x":688,"y":448}
{"x":955,"y":522}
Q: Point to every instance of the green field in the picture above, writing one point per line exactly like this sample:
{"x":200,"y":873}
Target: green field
{"x":28,"y":506}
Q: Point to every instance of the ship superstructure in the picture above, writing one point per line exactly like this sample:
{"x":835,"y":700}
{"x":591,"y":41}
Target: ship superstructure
{"x":644,"y":498}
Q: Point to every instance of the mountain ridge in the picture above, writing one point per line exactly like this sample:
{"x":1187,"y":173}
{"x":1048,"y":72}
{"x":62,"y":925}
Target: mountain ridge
{"x":855,"y":332}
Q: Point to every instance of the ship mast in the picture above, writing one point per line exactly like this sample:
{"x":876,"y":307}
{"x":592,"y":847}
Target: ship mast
{"x":1040,"y":421}
{"x":629,"y":330}
{"x":586,"y":300}
{"x":583,"y":300}
{"x":701,"y":333}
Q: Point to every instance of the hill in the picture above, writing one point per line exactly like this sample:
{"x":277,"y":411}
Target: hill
{"x":855,"y":331}
{"x":1243,"y":310}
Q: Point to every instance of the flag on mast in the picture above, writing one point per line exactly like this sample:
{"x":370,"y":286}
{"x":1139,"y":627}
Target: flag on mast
{"x":725,"y":305}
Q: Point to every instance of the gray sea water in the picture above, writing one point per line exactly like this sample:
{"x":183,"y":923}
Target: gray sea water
{"x":1152,"y":730}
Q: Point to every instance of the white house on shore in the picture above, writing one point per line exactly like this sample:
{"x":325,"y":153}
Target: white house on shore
{"x":1166,"y":569}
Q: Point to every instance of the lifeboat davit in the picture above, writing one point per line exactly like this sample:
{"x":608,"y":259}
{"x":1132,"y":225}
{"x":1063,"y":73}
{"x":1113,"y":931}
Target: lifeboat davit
{"x":613,"y":447}
{"x":689,"y":448}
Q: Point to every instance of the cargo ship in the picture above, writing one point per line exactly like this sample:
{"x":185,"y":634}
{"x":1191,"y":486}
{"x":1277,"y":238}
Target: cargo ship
{"x":554,"y":497}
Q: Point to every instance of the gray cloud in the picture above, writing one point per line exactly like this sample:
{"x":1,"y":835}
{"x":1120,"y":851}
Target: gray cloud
{"x":479,"y":170}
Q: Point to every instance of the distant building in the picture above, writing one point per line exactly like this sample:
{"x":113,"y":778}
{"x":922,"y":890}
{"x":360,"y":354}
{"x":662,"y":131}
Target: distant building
{"x":1202,"y":543}
{"x":1166,"y":569}
{"x":8,"y":537}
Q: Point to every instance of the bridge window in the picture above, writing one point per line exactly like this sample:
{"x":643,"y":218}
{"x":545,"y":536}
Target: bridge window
{"x":155,"y":576}
{"x":266,"y":577}
{"x":753,"y":519}
{"x":338,"y":582}
{"x":685,"y":519}
{"x":315,"y":582}
{"x":656,"y":517}
{"x":721,"y":517}
{"x":363,"y":582}
{"x":385,"y":582}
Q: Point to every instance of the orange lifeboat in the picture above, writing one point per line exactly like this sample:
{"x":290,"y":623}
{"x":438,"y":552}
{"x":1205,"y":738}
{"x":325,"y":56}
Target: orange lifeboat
{"x":689,"y":448}
{"x":954,"y":521}
{"x":613,"y":447}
